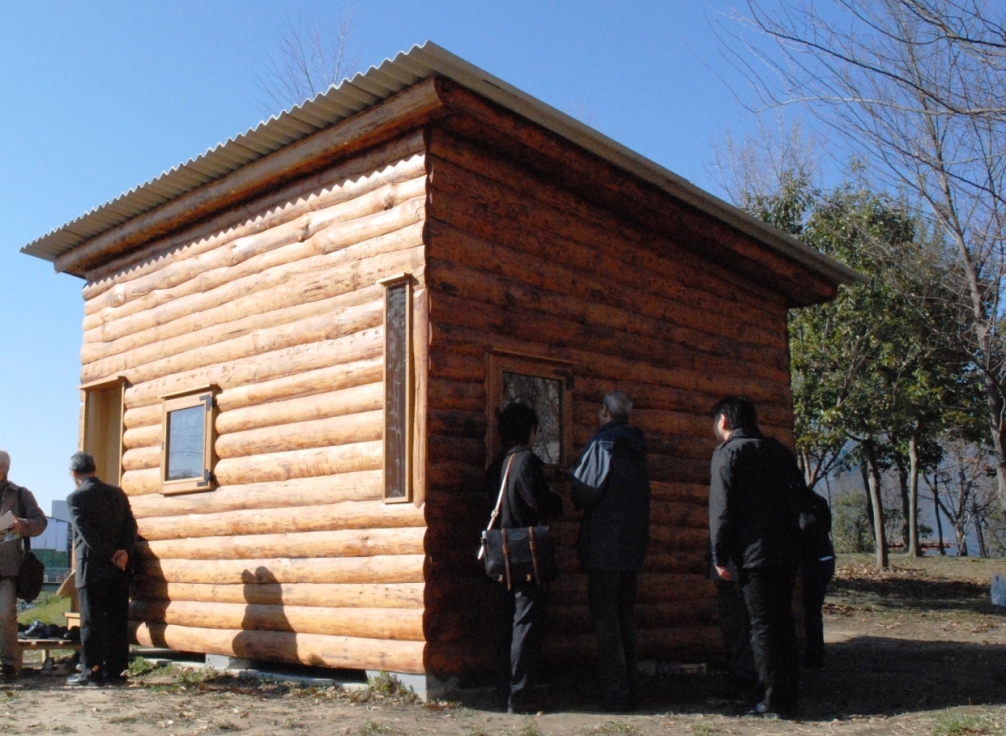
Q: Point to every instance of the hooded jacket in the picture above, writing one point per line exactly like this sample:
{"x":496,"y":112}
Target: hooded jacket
{"x":612,"y":486}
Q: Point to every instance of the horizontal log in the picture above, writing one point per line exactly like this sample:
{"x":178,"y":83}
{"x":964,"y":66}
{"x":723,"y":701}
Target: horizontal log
{"x":462,"y":449}
{"x":306,"y":329}
{"x":651,"y":396}
{"x":595,"y":224}
{"x":521,"y":322}
{"x":315,"y":382}
{"x":145,"y":436}
{"x":449,"y":394}
{"x":666,"y":644}
{"x":454,"y":365}
{"x":330,"y":517}
{"x":267,"y":366}
{"x":695,"y":492}
{"x":413,"y":107}
{"x":340,"y":543}
{"x":450,"y":342}
{"x":654,"y":587}
{"x":300,"y":464}
{"x":320,"y":595}
{"x":323,"y":570}
{"x":238,"y":319}
{"x":524,"y":143}
{"x":365,"y":623}
{"x":576,"y":619}
{"x":676,"y":274}
{"x":322,"y":404}
{"x":339,"y":430}
{"x":254,"y":276}
{"x":140,"y":458}
{"x":398,"y":160}
{"x":461,"y":657}
{"x":555,"y":300}
{"x":316,"y":650}
{"x":141,"y":482}
{"x":365,"y":485}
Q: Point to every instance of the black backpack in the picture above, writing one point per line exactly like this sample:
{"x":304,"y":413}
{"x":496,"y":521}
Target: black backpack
{"x":814,"y":517}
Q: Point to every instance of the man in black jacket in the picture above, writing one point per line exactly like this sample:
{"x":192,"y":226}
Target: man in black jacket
{"x":104,"y":537}
{"x":753,"y":522}
{"x":612,"y":487}
{"x":517,"y":475}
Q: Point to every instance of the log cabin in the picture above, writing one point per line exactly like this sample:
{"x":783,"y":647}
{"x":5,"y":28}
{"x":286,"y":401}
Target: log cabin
{"x":294,"y":346}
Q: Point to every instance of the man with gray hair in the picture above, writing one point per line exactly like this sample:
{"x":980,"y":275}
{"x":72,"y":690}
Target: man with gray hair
{"x":612,"y":487}
{"x":104,"y":537}
{"x":29,"y":521}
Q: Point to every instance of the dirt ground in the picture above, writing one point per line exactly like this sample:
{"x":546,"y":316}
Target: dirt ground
{"x":918,"y":649}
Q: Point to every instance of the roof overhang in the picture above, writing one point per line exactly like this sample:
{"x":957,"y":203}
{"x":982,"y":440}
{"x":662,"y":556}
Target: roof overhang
{"x":70,"y":246}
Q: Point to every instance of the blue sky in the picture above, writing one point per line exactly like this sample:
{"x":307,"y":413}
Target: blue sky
{"x":96,"y":98}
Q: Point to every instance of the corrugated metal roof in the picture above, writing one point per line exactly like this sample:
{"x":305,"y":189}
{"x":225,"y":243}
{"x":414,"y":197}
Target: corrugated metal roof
{"x":372,"y":87}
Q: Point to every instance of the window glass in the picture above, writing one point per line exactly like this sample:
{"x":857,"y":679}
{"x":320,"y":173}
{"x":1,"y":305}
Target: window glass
{"x":396,"y":393}
{"x":186,"y":443}
{"x":544,"y":396}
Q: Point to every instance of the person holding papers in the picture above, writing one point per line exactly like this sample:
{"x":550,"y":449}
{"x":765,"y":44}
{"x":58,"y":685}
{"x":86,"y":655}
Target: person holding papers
{"x":20,"y":517}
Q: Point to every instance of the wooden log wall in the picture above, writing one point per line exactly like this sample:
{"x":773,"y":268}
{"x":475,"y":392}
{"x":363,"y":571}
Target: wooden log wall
{"x":519,"y":261}
{"x":294,"y":556}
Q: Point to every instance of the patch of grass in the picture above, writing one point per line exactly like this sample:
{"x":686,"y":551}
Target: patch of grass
{"x":387,"y":684}
{"x":613,"y":728}
{"x":529,"y":729}
{"x":704,"y":729}
{"x":48,"y":609}
{"x":139,"y":667}
{"x":965,"y":724}
{"x":292,"y":724}
{"x":477,"y":731}
{"x":371,"y":727}
{"x":123,"y":719}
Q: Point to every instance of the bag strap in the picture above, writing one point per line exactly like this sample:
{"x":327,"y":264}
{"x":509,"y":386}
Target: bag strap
{"x":26,"y":541}
{"x":499,"y":501}
{"x":534,"y":555}
{"x":506,"y":558}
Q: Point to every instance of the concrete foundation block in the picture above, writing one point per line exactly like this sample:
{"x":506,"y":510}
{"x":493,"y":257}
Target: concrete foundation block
{"x":426,"y":687}
{"x":223,"y":662}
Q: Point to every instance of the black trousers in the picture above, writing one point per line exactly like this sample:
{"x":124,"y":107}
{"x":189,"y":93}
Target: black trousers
{"x":768,"y":594}
{"x":815,"y":576}
{"x":612,"y":596}
{"x":736,"y":632}
{"x":104,"y":621}
{"x":529,"y":618}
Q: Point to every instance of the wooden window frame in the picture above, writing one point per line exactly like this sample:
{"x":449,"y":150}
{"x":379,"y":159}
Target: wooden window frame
{"x":498,"y":363}
{"x":205,"y":396}
{"x":400,"y":280}
{"x":88,"y":391}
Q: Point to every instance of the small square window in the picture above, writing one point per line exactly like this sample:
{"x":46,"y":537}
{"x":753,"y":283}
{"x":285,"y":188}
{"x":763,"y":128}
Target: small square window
{"x":187,"y":441}
{"x":544,"y":385}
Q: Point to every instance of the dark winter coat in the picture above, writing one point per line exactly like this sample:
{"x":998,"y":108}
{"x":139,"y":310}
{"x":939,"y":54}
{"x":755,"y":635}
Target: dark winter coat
{"x":612,"y":487}
{"x":753,"y":502}
{"x":103,"y":523}
{"x":529,"y":501}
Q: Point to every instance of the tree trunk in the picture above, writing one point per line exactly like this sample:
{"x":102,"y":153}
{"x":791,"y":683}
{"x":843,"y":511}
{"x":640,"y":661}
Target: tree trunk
{"x":866,"y":491}
{"x":936,"y":512}
{"x":878,"y":508}
{"x":899,"y":461}
{"x":913,"y":499}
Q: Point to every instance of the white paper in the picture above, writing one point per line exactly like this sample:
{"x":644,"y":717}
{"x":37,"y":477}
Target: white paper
{"x":7,"y":521}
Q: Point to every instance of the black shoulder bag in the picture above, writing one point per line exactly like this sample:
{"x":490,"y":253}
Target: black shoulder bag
{"x":32,"y":572}
{"x":523,"y":555}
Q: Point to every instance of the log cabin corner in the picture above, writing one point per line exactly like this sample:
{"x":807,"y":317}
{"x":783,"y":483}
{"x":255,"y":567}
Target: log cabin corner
{"x":293,"y":346}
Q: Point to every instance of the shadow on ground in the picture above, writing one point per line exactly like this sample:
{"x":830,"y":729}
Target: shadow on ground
{"x":865,"y":676}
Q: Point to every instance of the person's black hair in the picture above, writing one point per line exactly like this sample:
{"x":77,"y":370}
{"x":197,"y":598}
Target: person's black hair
{"x":82,"y":463}
{"x":515,"y":423}
{"x":739,"y":412}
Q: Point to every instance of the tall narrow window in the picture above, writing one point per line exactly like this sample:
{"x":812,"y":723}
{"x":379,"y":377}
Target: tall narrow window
{"x":187,"y":441}
{"x":398,"y":388}
{"x":102,"y":428}
{"x":544,"y":385}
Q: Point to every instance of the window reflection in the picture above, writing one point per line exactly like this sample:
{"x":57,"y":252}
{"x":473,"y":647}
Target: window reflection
{"x":186,"y":443}
{"x":543,"y":395}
